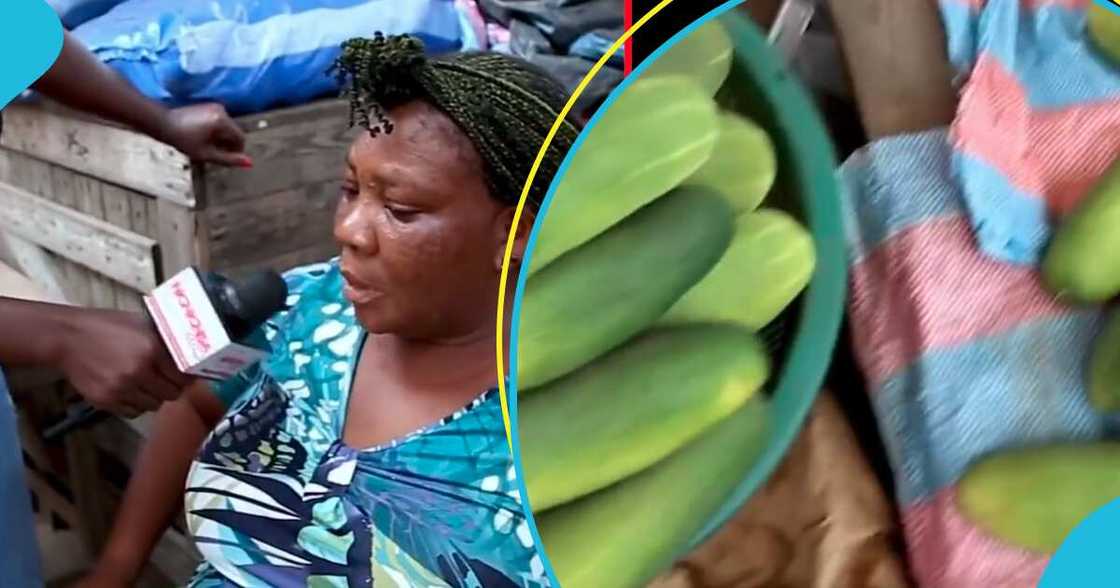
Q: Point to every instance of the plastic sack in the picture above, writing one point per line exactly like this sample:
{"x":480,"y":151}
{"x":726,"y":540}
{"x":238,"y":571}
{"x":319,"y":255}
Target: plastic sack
{"x":73,"y":13}
{"x":255,"y":55}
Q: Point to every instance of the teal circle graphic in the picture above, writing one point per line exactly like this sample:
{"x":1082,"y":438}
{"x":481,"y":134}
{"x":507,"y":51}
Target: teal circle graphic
{"x":31,"y":37}
{"x":1085,"y":558}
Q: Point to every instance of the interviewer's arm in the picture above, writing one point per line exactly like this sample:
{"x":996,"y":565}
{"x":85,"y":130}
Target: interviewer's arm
{"x":155,"y":491}
{"x":79,"y":80}
{"x":113,"y":358}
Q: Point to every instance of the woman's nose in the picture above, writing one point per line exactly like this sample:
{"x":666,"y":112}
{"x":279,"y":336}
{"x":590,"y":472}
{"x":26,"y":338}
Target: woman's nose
{"x":353,"y":229}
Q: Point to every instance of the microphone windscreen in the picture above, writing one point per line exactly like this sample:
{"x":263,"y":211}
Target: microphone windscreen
{"x":260,"y":296}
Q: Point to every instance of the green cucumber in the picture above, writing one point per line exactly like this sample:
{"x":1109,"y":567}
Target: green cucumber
{"x":1104,"y":29}
{"x":633,"y":407}
{"x":626,"y":534}
{"x":742,"y":166}
{"x":1081,"y":264}
{"x":704,"y":55}
{"x":618,"y":284}
{"x":1034,"y":497}
{"x":769,"y":262}
{"x":657,"y":134}
{"x":1104,"y":368}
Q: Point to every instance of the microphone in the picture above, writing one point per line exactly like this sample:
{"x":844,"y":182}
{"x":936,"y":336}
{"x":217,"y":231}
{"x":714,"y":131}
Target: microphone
{"x":202,"y":319}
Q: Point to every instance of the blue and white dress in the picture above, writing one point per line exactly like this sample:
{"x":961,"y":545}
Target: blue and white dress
{"x":277,"y":499}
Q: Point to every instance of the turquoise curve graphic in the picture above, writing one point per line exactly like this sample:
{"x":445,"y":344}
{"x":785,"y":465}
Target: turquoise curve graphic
{"x":527,"y":259}
{"x":29,"y":29}
{"x":1087,"y":557}
{"x":1111,"y":5}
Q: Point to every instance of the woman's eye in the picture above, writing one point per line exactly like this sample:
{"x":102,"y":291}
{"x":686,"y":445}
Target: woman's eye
{"x":349,"y":192}
{"x":402,"y":213}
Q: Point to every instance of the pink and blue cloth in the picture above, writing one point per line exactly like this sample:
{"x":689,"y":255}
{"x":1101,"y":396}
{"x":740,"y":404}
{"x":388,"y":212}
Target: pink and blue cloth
{"x":964,"y":351}
{"x":1039,"y":117}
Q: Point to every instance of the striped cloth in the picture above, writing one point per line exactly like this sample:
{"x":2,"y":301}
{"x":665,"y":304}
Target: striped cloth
{"x":964,"y":351}
{"x":1039,"y":118}
{"x":963,"y":354}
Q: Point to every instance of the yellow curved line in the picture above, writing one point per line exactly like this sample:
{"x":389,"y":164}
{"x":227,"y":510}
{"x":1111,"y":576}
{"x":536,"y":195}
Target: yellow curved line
{"x":525,"y":195}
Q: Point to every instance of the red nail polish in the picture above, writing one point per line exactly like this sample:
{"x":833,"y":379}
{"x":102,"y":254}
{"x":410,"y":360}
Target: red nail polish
{"x":245,"y":162}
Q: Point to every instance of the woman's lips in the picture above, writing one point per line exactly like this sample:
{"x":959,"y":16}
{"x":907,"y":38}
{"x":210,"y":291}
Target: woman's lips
{"x":357,"y":291}
{"x":357,"y":296}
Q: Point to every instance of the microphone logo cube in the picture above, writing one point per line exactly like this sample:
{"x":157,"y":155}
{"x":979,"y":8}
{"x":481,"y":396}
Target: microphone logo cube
{"x":193,"y":332}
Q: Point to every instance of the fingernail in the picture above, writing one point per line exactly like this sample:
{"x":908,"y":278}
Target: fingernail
{"x":245,"y":161}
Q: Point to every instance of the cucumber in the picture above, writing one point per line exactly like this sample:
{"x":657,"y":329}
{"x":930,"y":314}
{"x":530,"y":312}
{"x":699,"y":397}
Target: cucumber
{"x":769,"y":262}
{"x":634,"y":406}
{"x":618,"y":284}
{"x":1035,"y":497}
{"x":1081,"y":264}
{"x":1104,"y":30}
{"x":1104,"y":368}
{"x":626,"y":534}
{"x":704,"y":55}
{"x":657,"y":134}
{"x":742,"y":166}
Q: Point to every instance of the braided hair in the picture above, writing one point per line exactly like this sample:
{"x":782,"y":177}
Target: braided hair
{"x":504,"y":105}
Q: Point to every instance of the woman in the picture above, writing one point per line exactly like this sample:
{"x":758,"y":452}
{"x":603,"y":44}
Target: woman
{"x":362,"y":452}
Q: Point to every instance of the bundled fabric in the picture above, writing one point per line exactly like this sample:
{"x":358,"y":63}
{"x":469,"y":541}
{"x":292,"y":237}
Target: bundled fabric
{"x":253,"y":55}
{"x":73,"y":13}
{"x":1039,"y":117}
{"x":565,"y":37}
{"x":964,"y":355}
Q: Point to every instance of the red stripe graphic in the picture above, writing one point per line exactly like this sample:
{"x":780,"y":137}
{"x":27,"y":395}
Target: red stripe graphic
{"x":628,"y":50}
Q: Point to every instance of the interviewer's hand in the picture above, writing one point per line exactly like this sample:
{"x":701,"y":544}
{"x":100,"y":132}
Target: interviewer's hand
{"x":117,"y":361}
{"x":205,"y":132}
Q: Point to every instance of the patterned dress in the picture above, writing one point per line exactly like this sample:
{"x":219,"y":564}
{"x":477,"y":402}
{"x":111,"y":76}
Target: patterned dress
{"x":276,"y":498}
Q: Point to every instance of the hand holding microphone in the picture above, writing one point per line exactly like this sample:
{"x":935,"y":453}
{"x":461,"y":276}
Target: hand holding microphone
{"x":117,"y":361}
{"x":131,"y":363}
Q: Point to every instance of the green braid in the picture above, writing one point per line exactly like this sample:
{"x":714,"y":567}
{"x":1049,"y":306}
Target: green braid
{"x":504,"y":105}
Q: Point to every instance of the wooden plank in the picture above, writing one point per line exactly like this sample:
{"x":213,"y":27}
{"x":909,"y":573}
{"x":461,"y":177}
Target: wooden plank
{"x":87,"y":193}
{"x":95,"y":289}
{"x":36,"y":177}
{"x":177,"y":237}
{"x":139,"y":222}
{"x":127,"y":299}
{"x":294,"y":147}
{"x":313,"y":112}
{"x":30,"y":439}
{"x":79,"y":280}
{"x":39,"y":177}
{"x":152,"y":205}
{"x":35,"y":263}
{"x":896,"y":55}
{"x":50,"y":501}
{"x":114,"y":252}
{"x":113,"y":154}
{"x":87,"y":485}
{"x":118,"y":209}
{"x":176,"y":557}
{"x":117,"y":438}
{"x":264,"y":226}
{"x":282,"y":262}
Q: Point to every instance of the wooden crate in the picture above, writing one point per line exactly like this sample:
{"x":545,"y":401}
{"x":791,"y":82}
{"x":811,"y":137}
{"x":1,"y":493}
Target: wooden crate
{"x":95,"y":215}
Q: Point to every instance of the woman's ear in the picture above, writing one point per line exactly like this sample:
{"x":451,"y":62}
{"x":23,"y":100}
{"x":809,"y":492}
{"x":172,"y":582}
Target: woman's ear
{"x":504,"y":227}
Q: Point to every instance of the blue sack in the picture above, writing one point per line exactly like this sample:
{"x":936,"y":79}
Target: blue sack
{"x":73,"y":13}
{"x":255,"y":55}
